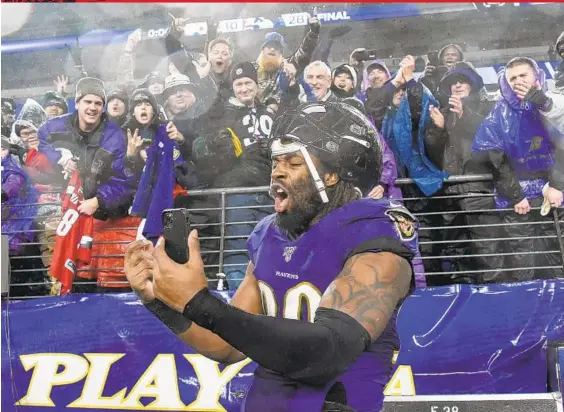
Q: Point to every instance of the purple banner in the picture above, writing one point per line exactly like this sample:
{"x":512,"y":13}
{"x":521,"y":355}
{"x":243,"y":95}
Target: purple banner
{"x":100,"y":352}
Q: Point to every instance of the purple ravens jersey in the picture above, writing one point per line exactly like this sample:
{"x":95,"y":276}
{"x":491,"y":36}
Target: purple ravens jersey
{"x":292,"y":276}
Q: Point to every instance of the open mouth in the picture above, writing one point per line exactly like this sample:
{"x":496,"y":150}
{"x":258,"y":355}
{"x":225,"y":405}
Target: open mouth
{"x":219,"y":64}
{"x":281,"y":199}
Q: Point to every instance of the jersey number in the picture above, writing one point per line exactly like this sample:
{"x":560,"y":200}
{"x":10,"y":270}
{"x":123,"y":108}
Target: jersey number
{"x":68,"y":219}
{"x":294,"y":300}
{"x":259,"y":128}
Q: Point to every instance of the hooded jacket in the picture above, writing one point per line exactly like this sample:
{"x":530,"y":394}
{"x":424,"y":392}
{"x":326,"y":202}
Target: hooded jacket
{"x":559,"y":77}
{"x":376,"y":100}
{"x":19,"y":205}
{"x":364,"y":82}
{"x":404,"y":129}
{"x":453,"y":144}
{"x":523,"y":144}
{"x":101,"y":161}
{"x":351,"y":71}
{"x":35,"y":164}
{"x":31,"y":115}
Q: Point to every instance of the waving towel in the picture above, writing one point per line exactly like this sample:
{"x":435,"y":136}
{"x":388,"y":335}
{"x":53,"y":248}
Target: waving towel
{"x":156,"y":188}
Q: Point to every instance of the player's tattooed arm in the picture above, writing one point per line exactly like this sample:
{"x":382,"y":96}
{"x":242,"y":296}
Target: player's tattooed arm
{"x":369,"y":288}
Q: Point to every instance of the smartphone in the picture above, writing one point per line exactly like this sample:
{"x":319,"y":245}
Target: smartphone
{"x":433,"y":57}
{"x":176,"y":228}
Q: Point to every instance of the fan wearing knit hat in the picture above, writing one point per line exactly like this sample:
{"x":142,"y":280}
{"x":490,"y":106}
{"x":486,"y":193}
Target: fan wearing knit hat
{"x":117,"y":105}
{"x":89,"y":100}
{"x":54,"y":104}
{"x":245,"y":84}
{"x":344,"y":81}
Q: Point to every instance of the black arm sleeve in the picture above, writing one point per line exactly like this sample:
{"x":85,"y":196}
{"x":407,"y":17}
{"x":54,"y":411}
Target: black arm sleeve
{"x":313,"y":353}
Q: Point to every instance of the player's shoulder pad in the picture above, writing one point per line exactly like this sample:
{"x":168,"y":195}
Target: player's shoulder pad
{"x":382,"y":226}
{"x":257,"y":235}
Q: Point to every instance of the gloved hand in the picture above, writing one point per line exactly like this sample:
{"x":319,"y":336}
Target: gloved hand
{"x":202,"y":149}
{"x":539,"y":98}
{"x":314,"y":24}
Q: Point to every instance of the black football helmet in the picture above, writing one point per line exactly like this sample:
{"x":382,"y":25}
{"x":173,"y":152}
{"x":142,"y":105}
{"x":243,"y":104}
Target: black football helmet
{"x":340,"y":135}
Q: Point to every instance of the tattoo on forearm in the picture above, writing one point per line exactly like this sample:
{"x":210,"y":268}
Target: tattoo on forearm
{"x":369,"y":288}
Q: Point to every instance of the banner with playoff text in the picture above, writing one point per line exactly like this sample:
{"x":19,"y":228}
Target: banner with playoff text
{"x":100,"y":352}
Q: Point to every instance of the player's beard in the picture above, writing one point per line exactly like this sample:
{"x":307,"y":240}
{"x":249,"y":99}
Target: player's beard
{"x":269,"y":64}
{"x":306,"y":205}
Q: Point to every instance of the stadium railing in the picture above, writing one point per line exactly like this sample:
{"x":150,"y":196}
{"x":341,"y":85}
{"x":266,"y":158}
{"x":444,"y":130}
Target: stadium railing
{"x":224,"y":239}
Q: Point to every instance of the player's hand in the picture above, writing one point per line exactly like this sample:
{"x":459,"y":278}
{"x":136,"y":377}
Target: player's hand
{"x":138,"y":268}
{"x":176,"y":284}
{"x":523,"y":207}
{"x":554,"y":197}
{"x":88,"y":207}
{"x":437,"y":117}
{"x":377,"y":192}
{"x":173,"y":133}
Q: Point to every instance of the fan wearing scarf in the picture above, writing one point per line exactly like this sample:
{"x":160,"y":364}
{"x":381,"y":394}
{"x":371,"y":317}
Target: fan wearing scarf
{"x":335,"y":352}
{"x":523,"y":138}
{"x":154,"y":158}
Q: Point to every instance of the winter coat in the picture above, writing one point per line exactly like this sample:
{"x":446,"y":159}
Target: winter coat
{"x":376,"y":100}
{"x":453,"y":143}
{"x":19,"y":205}
{"x":100,"y":161}
{"x":523,"y":144}
{"x":404,"y":129}
{"x":241,"y":142}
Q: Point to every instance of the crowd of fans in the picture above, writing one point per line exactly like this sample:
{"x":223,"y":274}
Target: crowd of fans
{"x":140,"y":149}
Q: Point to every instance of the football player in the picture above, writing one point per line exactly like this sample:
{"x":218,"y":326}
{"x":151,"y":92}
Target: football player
{"x":330,"y":270}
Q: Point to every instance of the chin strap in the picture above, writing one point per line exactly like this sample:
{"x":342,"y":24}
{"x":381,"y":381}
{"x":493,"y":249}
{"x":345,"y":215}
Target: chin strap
{"x":278,"y":149}
{"x":315,"y":175}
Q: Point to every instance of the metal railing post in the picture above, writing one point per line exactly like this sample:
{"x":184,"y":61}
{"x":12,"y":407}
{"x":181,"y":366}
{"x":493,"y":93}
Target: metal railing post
{"x":222,"y":231}
{"x":558,"y":234}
